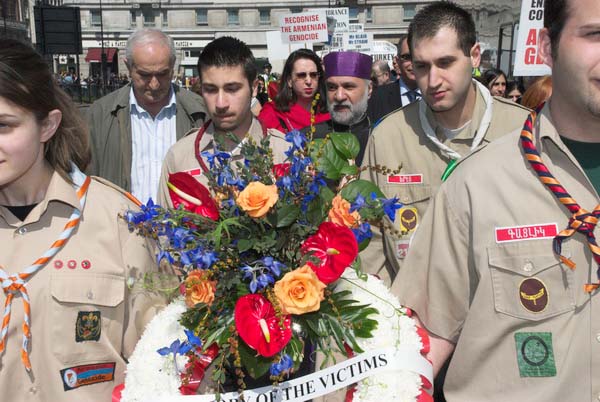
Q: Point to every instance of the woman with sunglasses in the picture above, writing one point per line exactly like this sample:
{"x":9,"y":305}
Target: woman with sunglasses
{"x":70,"y":270}
{"x":301,"y":80}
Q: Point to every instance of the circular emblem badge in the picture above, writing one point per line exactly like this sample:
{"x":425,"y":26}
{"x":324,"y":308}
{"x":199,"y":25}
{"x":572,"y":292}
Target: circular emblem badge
{"x":533,"y":295}
{"x":408,"y":218}
{"x":58,"y":264}
{"x":535,"y":351}
{"x":86,"y":264}
{"x":70,"y":377}
{"x":72,"y":264}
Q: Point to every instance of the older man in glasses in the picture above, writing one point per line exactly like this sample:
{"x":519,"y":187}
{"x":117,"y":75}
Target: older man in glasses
{"x":399,"y":93}
{"x":348,"y":86}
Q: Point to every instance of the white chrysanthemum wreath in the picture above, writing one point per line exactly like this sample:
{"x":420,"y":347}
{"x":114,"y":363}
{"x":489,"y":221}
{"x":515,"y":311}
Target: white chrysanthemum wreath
{"x":151,"y":375}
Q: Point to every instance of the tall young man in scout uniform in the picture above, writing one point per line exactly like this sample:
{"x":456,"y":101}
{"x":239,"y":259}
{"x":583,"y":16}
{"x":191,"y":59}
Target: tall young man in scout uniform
{"x":503,"y":269}
{"x":454,"y":117}
{"x":228,"y":80}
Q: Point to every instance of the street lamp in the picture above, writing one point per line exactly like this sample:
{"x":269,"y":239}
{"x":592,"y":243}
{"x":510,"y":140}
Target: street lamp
{"x":102,"y":55}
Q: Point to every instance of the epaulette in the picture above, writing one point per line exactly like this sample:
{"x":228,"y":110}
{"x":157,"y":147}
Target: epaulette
{"x":112,"y":185}
{"x":507,"y":101}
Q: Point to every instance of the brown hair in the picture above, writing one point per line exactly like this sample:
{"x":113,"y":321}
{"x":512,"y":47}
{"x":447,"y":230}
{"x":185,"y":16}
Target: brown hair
{"x":26,"y":81}
{"x":285,"y":95}
{"x":539,"y":91}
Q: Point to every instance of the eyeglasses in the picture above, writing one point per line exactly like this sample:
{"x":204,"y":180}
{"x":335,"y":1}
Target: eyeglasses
{"x":302,"y":75}
{"x":405,"y":57}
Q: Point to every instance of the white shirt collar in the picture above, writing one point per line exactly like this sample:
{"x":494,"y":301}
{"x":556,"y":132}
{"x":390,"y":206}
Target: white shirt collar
{"x":135,"y":107}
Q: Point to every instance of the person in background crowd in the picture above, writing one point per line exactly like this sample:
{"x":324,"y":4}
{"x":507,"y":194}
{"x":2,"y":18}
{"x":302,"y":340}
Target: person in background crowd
{"x":539,"y":91}
{"x":348,"y":85}
{"x":381,"y":72}
{"x":495,"y":80}
{"x":301,"y":80}
{"x":503,"y":269}
{"x":399,"y":93}
{"x":266,"y":75}
{"x":456,"y":115}
{"x":133,"y":128}
{"x":227,"y":81}
{"x":76,"y":312}
{"x":514,"y":91}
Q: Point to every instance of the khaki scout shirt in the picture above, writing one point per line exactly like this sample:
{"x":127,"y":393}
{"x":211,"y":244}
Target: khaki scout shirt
{"x":399,"y":139}
{"x":181,"y":157}
{"x":481,"y":273}
{"x":82,"y":311}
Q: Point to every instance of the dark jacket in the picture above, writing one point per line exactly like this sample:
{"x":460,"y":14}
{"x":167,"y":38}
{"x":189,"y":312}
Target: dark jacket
{"x":384,"y":100}
{"x":110,"y":131}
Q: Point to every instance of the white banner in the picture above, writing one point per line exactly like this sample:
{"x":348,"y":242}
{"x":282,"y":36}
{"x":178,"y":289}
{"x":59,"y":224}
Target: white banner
{"x":306,"y":27}
{"x":359,"y":41}
{"x":327,"y":380}
{"x":527,"y":61}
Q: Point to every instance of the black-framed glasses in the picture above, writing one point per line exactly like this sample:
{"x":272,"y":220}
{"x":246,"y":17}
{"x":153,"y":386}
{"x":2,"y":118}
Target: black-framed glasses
{"x":303,"y":74}
{"x":405,"y":57}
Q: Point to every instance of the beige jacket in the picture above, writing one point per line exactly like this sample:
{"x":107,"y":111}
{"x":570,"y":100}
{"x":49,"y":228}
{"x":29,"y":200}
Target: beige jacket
{"x":85,"y":319}
{"x":482,"y":273}
{"x":400,"y":140}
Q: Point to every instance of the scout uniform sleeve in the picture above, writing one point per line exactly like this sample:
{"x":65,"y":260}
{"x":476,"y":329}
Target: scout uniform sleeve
{"x":163,"y":199}
{"x":143,"y":303}
{"x":373,"y":259}
{"x":435,"y":278}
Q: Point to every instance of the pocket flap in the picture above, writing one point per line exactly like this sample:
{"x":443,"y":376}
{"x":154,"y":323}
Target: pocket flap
{"x":526,"y":263}
{"x":413,"y":193}
{"x":98,"y":289}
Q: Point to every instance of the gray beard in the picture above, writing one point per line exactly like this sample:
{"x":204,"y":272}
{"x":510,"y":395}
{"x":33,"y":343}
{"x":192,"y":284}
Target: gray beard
{"x":355,"y":113}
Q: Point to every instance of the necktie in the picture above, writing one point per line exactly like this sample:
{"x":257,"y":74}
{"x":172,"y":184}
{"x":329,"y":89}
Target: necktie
{"x":412,"y":96}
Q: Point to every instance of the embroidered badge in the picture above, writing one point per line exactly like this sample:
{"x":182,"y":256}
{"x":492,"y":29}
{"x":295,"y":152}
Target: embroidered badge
{"x":72,"y":264}
{"x":58,"y":264}
{"x":535,"y":355}
{"x":408,"y":218}
{"x":405,"y":179}
{"x":402,"y":248}
{"x":533,"y":295}
{"x":79,"y":376}
{"x":527,"y":232}
{"x":88,"y":326}
{"x":86,"y":264}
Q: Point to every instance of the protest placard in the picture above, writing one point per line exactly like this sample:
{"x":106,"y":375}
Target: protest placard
{"x":528,"y":61}
{"x":308,"y":27}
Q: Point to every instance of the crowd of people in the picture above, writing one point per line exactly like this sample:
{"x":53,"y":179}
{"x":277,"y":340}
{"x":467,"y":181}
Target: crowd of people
{"x":494,"y":249}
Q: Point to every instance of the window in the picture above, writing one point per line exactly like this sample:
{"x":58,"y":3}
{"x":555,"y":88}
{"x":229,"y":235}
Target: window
{"x":353,"y":14}
{"x":148,"y":14}
{"x":368,"y":14}
{"x":201,"y":16}
{"x":265,"y":16}
{"x":233,"y":18}
{"x":296,"y":10}
{"x":96,"y":18}
{"x":409,"y":12}
{"x":165,"y":18}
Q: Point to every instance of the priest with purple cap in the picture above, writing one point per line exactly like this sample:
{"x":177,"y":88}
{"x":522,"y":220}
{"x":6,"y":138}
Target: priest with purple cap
{"x":348,"y":86}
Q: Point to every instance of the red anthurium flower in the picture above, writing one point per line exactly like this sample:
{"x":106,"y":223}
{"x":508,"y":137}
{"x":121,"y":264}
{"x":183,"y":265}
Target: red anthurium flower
{"x":335,"y":246}
{"x":258,"y":325}
{"x":187,"y":191}
{"x":281,"y":169}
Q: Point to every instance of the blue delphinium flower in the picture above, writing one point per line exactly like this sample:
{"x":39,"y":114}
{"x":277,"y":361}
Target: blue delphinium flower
{"x":390,"y":206}
{"x":284,"y":365}
{"x":297,"y":139}
{"x":358,"y":203}
{"x":363,"y":232}
{"x":147,"y":213}
{"x":176,"y":348}
{"x":261,"y":273}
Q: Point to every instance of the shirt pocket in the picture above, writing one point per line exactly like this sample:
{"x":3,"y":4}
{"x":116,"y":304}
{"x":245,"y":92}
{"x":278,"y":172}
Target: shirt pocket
{"x":408,"y":194}
{"x":529,"y":281}
{"x":87,"y":316}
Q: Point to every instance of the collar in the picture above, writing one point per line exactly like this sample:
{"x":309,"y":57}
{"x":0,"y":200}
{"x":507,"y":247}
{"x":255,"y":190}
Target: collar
{"x":404,"y":89}
{"x":545,"y":129}
{"x":59,"y":190}
{"x":362,"y":124}
{"x":135,"y":107}
{"x":206,"y":142}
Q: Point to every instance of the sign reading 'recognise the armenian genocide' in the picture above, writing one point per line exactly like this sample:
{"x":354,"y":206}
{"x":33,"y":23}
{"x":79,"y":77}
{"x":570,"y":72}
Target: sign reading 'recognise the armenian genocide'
{"x":308,"y":27}
{"x":528,"y":61}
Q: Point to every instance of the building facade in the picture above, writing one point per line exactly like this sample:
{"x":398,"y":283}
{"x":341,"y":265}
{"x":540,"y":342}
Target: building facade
{"x":14,"y":19}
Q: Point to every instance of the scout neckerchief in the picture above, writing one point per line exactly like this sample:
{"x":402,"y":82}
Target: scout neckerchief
{"x":15,"y":285}
{"x":479,"y":135}
{"x":581,"y":221}
{"x":200,"y":134}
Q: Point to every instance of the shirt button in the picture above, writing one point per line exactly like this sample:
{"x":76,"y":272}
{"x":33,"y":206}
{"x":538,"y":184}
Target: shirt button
{"x":32,"y":390}
{"x":22,"y":230}
{"x":598,"y":339}
{"x":90,"y":295}
{"x":528,"y":267}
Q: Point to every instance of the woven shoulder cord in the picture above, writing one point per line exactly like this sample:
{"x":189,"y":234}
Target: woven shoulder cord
{"x":16,"y":285}
{"x":581,"y":220}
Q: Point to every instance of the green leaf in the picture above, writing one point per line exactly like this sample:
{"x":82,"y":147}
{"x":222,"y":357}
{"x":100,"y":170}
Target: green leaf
{"x":287,"y":215}
{"x":328,"y":160}
{"x":244,"y":245}
{"x":326,"y":194}
{"x":255,"y":365}
{"x":350,"y":170}
{"x":364,"y":187}
{"x":346,"y":144}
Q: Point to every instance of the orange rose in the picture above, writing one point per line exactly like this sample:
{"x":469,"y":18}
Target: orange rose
{"x":256,"y":199}
{"x":340,"y":213}
{"x":300,"y":291}
{"x":198,"y":289}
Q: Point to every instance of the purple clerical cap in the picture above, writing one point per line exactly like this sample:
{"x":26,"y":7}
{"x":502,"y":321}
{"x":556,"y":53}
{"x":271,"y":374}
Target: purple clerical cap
{"x":352,"y":64}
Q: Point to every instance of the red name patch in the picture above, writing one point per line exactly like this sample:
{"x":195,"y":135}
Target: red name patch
{"x":194,"y":172}
{"x":527,"y":232}
{"x":78,"y":376}
{"x":405,"y":179}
